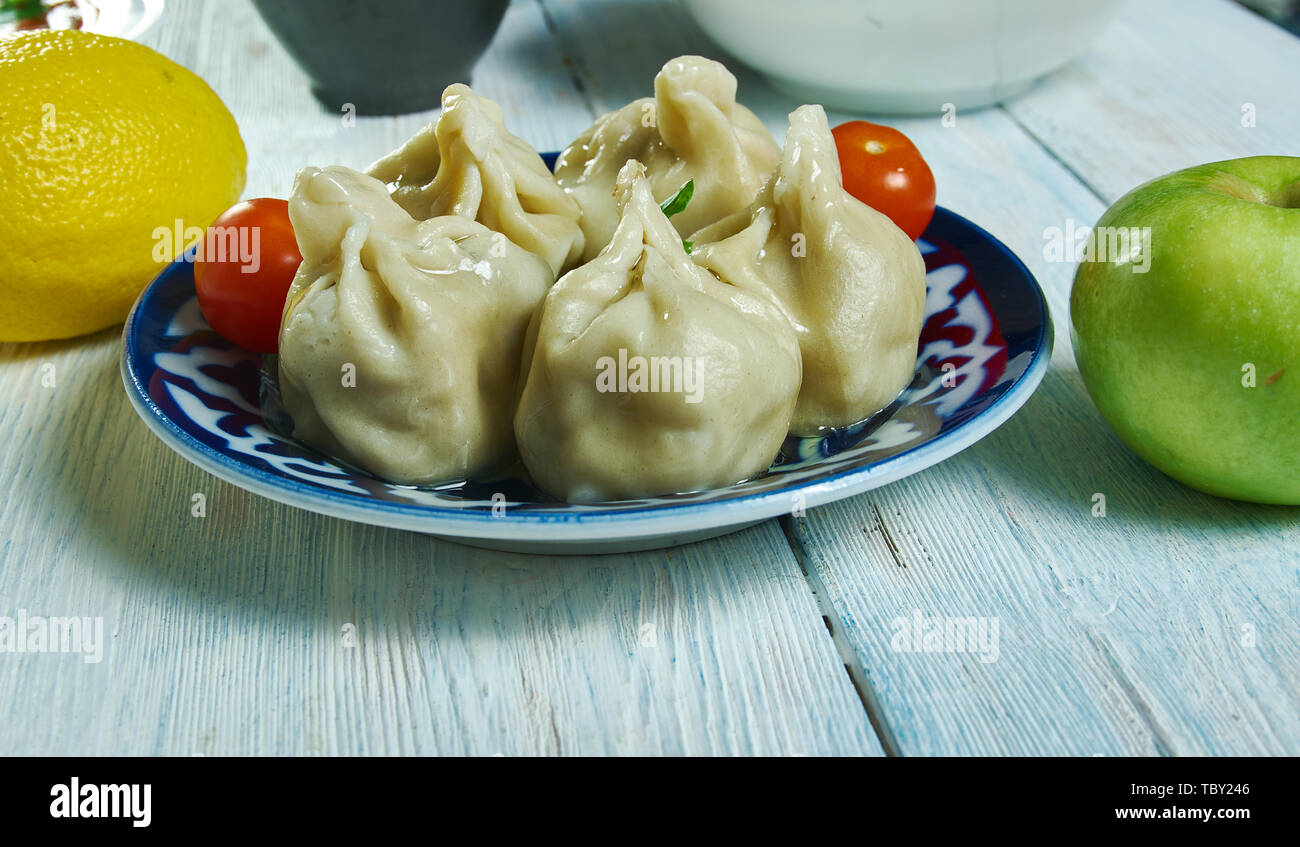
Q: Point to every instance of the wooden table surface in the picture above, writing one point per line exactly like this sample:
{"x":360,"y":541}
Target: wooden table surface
{"x":1168,"y":626}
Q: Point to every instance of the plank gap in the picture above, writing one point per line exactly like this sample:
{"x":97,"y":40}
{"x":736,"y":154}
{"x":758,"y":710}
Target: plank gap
{"x":889,"y":539}
{"x":1055,"y":157}
{"x":1162,"y":744}
{"x":852,"y":666}
{"x":571,"y":63}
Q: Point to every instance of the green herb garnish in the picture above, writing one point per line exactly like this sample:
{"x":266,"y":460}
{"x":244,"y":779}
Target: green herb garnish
{"x":678,"y":201}
{"x":22,"y":11}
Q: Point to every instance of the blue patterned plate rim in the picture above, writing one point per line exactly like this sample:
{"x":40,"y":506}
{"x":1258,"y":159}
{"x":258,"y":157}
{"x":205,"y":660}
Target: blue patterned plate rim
{"x":1004,"y":285}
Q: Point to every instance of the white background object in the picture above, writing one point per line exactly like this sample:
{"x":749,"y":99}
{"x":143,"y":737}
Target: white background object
{"x":903,"y":57}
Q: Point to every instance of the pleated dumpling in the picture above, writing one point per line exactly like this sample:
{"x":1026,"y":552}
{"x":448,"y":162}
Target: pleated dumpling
{"x":648,"y":376}
{"x":467,"y":163}
{"x":400,"y":340}
{"x":692,"y":128}
{"x":852,"y":281}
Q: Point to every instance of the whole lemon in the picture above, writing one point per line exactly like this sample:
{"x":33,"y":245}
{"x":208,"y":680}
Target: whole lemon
{"x":106,"y":148}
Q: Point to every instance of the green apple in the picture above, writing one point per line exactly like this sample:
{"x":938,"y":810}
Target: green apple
{"x":1190,"y":345}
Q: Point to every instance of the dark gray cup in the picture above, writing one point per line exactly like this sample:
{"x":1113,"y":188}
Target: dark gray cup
{"x":383,"y":56}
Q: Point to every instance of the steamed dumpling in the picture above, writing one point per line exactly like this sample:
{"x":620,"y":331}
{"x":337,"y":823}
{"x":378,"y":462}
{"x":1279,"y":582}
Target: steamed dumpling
{"x":400,"y":340}
{"x":852,"y":282}
{"x":648,"y":375}
{"x":692,"y":128}
{"x":467,"y":163}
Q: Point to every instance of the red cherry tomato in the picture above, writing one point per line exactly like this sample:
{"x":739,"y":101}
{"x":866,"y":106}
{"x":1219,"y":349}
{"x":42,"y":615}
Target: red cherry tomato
{"x":883,"y":169}
{"x":243,"y":271}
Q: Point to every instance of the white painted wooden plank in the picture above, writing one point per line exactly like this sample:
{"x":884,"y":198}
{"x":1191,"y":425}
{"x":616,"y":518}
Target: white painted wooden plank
{"x":1167,"y":86}
{"x":227,"y":633}
{"x":1006,"y":529}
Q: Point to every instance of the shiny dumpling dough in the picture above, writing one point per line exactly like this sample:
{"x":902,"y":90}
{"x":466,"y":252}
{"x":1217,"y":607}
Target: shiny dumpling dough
{"x":583,"y":439}
{"x":852,"y":282}
{"x":467,"y":163}
{"x":692,"y":128}
{"x":400,"y":341}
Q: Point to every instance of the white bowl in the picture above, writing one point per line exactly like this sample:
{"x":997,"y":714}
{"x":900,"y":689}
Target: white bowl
{"x":908,"y":57}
